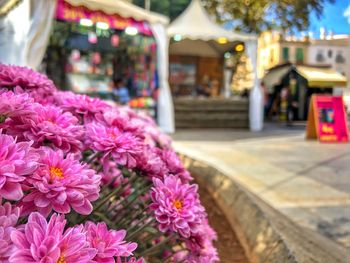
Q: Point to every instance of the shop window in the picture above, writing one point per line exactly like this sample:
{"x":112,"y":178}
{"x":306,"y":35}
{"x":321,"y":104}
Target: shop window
{"x":285,"y":54}
{"x":340,"y":58}
{"x":319,"y":56}
{"x":330,"y":53}
{"x":299,"y":55}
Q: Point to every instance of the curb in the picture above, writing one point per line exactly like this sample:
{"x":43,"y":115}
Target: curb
{"x":265,"y":234}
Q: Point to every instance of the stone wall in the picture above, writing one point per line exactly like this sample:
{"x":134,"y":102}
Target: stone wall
{"x":265,"y":234}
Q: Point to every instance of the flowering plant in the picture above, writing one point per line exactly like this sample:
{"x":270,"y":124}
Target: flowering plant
{"x":84,"y":181}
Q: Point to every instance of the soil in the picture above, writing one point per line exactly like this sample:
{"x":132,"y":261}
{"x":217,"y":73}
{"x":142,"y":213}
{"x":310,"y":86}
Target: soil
{"x":229,"y":249}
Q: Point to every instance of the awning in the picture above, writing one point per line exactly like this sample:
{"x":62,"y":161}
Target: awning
{"x":274,"y":77}
{"x":194,"y":26}
{"x":321,"y":77}
{"x":121,"y":8}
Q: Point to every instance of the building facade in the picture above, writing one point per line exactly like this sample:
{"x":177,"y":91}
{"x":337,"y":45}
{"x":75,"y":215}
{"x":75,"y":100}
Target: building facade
{"x":332,"y":51}
{"x":274,"y":49}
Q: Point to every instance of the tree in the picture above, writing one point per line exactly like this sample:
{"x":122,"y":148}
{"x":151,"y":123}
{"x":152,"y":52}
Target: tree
{"x":250,"y":16}
{"x":170,"y":8}
{"x":243,"y":76}
{"x":255,"y":16}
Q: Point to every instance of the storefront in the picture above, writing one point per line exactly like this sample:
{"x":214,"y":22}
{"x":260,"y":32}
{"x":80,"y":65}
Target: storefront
{"x":197,"y":68}
{"x":27,"y":33}
{"x":197,"y":53}
{"x":293,"y":85}
{"x":90,"y":50}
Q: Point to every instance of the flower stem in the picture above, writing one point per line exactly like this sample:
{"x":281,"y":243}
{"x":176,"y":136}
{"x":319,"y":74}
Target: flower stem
{"x":93,"y":157}
{"x":137,"y":231}
{"x":125,"y":220}
{"x":131,"y":200}
{"x":103,"y":201}
{"x":154,"y":249}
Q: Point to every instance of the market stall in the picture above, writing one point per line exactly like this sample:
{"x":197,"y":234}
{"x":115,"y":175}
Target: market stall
{"x":197,"y":51}
{"x":301,"y":82}
{"x":105,"y":40}
{"x":94,"y":50}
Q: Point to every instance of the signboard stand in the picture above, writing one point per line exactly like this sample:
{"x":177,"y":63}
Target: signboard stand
{"x":327,"y":120}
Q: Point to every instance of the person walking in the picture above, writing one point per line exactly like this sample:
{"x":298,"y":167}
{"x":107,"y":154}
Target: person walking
{"x":290,"y":107}
{"x":120,"y":91}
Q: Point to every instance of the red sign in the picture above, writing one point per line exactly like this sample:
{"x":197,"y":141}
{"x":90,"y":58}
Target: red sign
{"x":67,"y":12}
{"x":327,"y":119}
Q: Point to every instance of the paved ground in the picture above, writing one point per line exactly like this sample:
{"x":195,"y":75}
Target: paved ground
{"x":305,"y":180}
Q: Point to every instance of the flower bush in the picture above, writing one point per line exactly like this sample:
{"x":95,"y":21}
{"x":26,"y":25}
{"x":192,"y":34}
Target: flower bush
{"x":84,"y":181}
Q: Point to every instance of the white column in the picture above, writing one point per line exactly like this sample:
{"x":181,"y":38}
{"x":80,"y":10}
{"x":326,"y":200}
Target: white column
{"x":13,"y":34}
{"x":227,"y":82}
{"x":165,"y":103}
{"x":256,"y":105}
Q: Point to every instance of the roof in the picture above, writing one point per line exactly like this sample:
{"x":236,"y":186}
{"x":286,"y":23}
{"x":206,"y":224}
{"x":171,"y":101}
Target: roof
{"x":317,"y":77}
{"x":122,"y":8}
{"x":274,"y":76}
{"x":321,"y":77}
{"x":195,"y":24}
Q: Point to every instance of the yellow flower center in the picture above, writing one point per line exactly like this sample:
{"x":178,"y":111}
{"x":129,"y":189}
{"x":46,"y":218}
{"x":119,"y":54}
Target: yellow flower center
{"x":178,"y":204}
{"x":50,"y":120}
{"x":113,"y":135}
{"x":61,"y":260}
{"x":56,"y":172}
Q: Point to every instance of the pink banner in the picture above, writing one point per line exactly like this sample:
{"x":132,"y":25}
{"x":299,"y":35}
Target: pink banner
{"x":71,"y":13}
{"x":327,"y":119}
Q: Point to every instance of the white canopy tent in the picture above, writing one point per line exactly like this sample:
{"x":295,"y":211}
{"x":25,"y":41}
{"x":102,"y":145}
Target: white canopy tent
{"x":199,"y":37}
{"x":26,"y":31}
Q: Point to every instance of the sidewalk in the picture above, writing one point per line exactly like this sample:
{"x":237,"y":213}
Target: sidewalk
{"x":307,"y":181}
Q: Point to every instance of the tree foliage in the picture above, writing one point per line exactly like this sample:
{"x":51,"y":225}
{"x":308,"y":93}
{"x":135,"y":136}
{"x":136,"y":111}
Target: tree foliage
{"x":170,"y":8}
{"x":255,"y":16}
{"x":251,"y":16}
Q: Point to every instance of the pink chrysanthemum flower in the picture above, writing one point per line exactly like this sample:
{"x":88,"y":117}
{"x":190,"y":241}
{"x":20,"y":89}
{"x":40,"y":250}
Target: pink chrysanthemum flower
{"x":8,"y":220}
{"x":17,"y":160}
{"x":109,"y":243}
{"x":111,"y":173}
{"x":82,"y":106}
{"x":148,"y":127}
{"x":176,"y":206}
{"x":200,"y":244}
{"x":50,"y":126}
{"x":120,"y":119}
{"x":124,"y":147}
{"x":174,"y":165}
{"x":61,"y":184}
{"x":41,"y":241}
{"x":151,"y":164}
{"x":74,"y":247}
{"x":38,"y":241}
{"x":14,"y":105}
{"x":155,"y":137}
{"x":36,"y":84}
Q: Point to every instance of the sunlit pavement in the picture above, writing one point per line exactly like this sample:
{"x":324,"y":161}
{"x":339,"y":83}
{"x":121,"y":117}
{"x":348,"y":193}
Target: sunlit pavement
{"x":306,"y":180}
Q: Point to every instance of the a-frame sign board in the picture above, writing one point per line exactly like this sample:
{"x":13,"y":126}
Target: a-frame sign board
{"x":327,"y":120}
